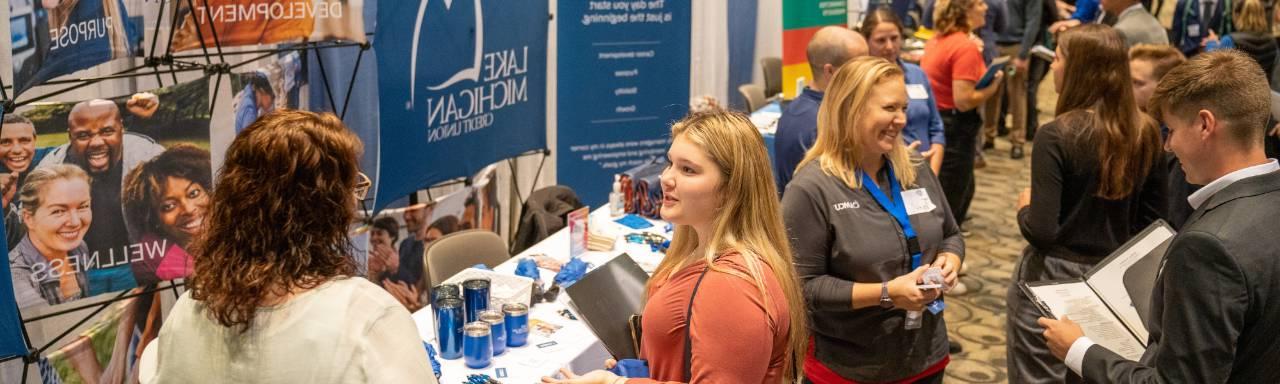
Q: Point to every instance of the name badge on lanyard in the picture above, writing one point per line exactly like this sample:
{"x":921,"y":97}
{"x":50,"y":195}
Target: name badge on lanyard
{"x":896,"y":208}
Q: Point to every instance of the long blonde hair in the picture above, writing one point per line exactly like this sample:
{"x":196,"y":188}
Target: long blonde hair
{"x":748,"y":221}
{"x":838,"y":149}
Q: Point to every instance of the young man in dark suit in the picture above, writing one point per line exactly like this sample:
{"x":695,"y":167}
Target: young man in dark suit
{"x":1216,"y":305}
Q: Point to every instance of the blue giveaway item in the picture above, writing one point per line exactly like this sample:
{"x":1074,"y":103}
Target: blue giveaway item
{"x":631,"y":368}
{"x":475,"y":293}
{"x":497,"y":329}
{"x":527,"y":267}
{"x":634,"y":222}
{"x":571,"y":272}
{"x":516,"y":316}
{"x":449,"y":321}
{"x":477,"y":346}
{"x":431,"y":355}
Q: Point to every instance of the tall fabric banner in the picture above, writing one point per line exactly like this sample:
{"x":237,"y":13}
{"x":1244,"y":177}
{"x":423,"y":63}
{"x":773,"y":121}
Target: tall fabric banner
{"x":11,"y":343}
{"x":800,"y":20}
{"x":623,"y":70}
{"x":68,"y":36}
{"x":108,"y":193}
{"x":462,"y":84}
{"x":249,"y":22}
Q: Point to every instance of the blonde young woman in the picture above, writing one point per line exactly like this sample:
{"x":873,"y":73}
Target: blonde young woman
{"x":727,"y":282}
{"x":859,"y":264}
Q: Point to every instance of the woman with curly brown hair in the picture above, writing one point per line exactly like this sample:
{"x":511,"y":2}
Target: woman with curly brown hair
{"x":165,"y":200}
{"x":272,"y":298}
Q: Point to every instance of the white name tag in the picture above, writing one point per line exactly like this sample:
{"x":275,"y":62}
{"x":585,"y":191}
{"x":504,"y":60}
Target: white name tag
{"x":1193,"y":30}
{"x":917,"y":201}
{"x":917,"y":92}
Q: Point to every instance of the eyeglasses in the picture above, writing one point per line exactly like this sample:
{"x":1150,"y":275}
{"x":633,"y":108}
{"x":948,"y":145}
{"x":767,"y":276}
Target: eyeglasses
{"x":362,"y":186}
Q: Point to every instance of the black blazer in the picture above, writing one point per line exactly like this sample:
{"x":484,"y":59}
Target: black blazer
{"x":1216,"y":306}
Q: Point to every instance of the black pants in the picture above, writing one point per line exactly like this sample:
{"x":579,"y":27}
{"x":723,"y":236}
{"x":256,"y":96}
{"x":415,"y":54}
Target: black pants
{"x":1037,"y":69}
{"x":956,"y":176}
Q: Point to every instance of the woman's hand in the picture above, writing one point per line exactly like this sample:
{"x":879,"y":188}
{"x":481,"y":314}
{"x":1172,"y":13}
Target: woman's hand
{"x":950,"y":265}
{"x":906,"y":295}
{"x":406,"y":294}
{"x":593,"y":377}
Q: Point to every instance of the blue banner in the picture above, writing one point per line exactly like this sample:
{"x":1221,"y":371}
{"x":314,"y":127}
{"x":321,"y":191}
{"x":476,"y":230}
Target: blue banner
{"x":623,"y":70}
{"x":461,"y":85}
{"x":68,"y":37}
{"x":11,"y":343}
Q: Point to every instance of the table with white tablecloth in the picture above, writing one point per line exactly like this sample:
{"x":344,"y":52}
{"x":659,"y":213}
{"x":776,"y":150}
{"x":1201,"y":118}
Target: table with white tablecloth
{"x":571,"y":346}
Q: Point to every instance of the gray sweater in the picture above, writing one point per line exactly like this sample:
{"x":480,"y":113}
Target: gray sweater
{"x":841,"y":236}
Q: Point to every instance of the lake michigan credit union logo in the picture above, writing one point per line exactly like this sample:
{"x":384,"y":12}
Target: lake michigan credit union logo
{"x":454,"y":31}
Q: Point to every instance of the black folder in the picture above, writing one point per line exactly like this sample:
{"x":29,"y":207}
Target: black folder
{"x":606,"y":298}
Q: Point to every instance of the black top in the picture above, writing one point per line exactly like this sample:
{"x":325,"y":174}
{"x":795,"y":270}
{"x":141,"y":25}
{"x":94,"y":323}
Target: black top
{"x":1216,"y":306}
{"x":107,"y":233}
{"x":411,"y":253}
{"x":1066,"y":218}
{"x":840,"y":236}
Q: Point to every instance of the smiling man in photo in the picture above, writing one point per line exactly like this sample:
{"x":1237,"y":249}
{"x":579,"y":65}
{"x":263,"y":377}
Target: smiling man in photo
{"x":97,"y":142}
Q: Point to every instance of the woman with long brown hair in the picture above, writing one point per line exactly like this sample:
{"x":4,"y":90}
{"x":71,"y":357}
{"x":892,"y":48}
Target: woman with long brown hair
{"x":867,"y":217}
{"x":273,"y":277}
{"x":727,"y":284}
{"x":1097,"y":179}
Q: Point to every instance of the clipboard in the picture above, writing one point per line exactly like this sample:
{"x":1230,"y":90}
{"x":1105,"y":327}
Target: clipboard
{"x":1115,"y":295}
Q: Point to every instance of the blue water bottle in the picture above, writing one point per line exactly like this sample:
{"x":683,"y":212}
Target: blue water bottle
{"x":497,"y":330}
{"x":477,"y":346}
{"x":449,"y":323}
{"x":476,"y":294}
{"x":517,"y":319}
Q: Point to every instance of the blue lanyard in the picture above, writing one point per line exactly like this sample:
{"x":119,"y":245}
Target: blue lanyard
{"x":898,"y":209}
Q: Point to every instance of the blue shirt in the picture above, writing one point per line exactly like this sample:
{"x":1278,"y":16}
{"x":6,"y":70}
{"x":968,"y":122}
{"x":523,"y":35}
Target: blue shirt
{"x":1086,"y":11}
{"x":247,"y":110}
{"x":923,"y":121}
{"x":797,"y":130}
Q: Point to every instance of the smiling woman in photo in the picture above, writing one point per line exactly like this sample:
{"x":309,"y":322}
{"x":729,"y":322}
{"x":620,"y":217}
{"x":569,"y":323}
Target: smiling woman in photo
{"x":166,"y":199}
{"x":45,"y":265}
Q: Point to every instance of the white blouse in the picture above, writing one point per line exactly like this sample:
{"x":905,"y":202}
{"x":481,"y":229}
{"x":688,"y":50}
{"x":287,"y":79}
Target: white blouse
{"x":346,"y":330}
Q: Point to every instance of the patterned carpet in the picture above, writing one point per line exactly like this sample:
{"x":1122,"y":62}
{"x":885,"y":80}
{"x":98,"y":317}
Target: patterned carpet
{"x":976,"y":319}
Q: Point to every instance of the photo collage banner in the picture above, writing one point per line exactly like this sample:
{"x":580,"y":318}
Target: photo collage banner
{"x":104,"y":195}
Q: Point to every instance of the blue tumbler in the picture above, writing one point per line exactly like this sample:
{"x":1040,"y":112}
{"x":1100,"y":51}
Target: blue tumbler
{"x":497,"y":330}
{"x":517,"y":319}
{"x":477,"y":346}
{"x":476,"y":294}
{"x":449,"y":323}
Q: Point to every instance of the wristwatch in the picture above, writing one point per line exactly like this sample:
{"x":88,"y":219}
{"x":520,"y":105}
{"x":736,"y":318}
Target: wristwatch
{"x":885,"y":301}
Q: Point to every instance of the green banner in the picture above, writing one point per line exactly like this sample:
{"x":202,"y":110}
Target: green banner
{"x":813,"y":13}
